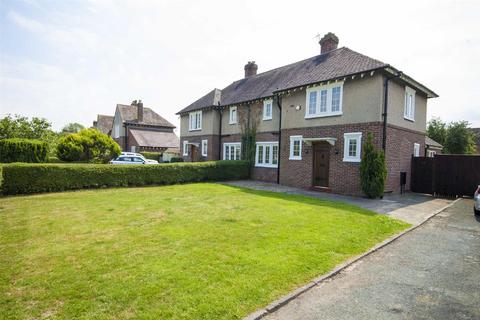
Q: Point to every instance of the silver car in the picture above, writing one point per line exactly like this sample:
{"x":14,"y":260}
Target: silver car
{"x":476,"y":197}
{"x":127,"y":159}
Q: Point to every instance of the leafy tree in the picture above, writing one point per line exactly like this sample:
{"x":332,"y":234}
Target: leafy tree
{"x":73,"y":127}
{"x":459,"y":138}
{"x":437,"y":130}
{"x":373,"y":170}
{"x":20,"y":127}
{"x":89,"y":145}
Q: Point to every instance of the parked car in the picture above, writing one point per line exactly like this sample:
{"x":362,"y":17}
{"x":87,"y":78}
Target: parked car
{"x":476,"y":197}
{"x":132,"y":159}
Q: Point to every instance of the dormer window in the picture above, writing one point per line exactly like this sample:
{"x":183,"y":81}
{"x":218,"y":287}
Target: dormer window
{"x":324,"y":101}
{"x":409,"y":110}
{"x":267,"y":109}
{"x":233,"y":115}
{"x":195,"y":120}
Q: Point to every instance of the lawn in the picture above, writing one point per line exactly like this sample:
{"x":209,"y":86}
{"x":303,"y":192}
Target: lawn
{"x":195,"y":251}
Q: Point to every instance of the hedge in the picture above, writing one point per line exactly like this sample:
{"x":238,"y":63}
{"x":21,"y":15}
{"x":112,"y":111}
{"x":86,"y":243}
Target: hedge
{"x":21,"y":178}
{"x":22,"y":150}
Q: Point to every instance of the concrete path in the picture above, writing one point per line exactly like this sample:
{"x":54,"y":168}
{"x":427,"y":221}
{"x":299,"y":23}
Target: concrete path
{"x":410,"y":207}
{"x":433,"y":272}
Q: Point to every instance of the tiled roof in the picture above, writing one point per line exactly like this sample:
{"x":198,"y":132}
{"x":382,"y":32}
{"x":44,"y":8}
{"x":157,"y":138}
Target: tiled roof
{"x":334,"y":64}
{"x":104,"y":123}
{"x":157,"y":139}
{"x":150,"y":117}
{"x":210,"y":99}
{"x":432,"y":143}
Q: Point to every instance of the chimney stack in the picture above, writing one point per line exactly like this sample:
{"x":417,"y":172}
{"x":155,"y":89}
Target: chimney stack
{"x":328,"y":43}
{"x":140,"y":111}
{"x":250,"y":69}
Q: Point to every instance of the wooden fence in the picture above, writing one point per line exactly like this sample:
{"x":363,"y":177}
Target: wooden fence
{"x":446,"y":175}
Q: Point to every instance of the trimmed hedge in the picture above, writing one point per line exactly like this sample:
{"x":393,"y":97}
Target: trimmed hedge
{"x":33,"y":178}
{"x":22,"y":150}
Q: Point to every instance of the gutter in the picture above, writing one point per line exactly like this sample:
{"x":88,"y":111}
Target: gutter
{"x":385,"y":108}
{"x":279,"y":104}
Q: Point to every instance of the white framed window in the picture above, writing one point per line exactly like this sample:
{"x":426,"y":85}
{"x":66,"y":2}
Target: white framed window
{"x":185,"y":148}
{"x":352,"y":147}
{"x":295,"y":148}
{"x":431,"y":153}
{"x":324,"y":101}
{"x":233,"y":115}
{"x":266,"y":154}
{"x":195,"y":120}
{"x":416,"y":150}
{"x":267,"y":109}
{"x":204,"y":148}
{"x":232,"y":151}
{"x":409,"y":109}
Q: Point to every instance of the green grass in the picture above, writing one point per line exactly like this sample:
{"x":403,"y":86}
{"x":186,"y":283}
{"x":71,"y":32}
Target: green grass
{"x":196,"y":251}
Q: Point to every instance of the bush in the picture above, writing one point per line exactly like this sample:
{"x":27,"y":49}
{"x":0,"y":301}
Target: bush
{"x":22,"y":150}
{"x":373,"y":171}
{"x":151,"y":155}
{"x":33,"y":178}
{"x":176,"y":159}
{"x":89,"y":145}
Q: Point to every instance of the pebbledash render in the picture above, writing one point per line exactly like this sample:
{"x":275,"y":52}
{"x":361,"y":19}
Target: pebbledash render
{"x":311,"y":119}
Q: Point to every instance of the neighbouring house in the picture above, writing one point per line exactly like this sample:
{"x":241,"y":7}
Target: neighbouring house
{"x":476,"y":132}
{"x":311,"y":119}
{"x":103,"y":124}
{"x":432,"y":147}
{"x":137,"y":128}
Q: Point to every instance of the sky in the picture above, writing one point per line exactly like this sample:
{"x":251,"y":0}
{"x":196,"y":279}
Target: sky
{"x":68,"y":61}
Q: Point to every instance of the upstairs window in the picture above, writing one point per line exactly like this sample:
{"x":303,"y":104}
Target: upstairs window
{"x":295,"y":148}
{"x":267,"y":109}
{"x":195,"y":120}
{"x":409,"y":110}
{"x":323,"y":101}
{"x":233,"y":115}
{"x":266,"y":154}
{"x":352,"y":147}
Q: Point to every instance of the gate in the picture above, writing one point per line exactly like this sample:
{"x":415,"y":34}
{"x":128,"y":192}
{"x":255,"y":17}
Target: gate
{"x":446,"y":175}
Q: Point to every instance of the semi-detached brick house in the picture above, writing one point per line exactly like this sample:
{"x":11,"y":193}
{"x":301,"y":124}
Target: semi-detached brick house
{"x":312,"y":117}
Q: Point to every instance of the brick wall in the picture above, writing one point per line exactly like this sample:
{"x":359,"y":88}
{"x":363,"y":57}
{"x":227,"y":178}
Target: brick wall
{"x":399,"y":154}
{"x":344,"y":177}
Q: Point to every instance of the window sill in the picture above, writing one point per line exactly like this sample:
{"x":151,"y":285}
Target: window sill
{"x":295,"y":158}
{"x":232,"y":122}
{"x":260,"y":165}
{"x":266,"y":119}
{"x":195,"y":129}
{"x":409,"y":119}
{"x":352,"y":160}
{"x":323,"y":115}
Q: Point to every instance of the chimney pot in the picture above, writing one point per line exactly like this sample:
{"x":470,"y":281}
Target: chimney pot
{"x":250,"y":69}
{"x":140,"y":111}
{"x":328,"y":43}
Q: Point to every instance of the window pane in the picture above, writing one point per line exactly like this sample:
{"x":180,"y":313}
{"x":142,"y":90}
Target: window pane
{"x":237,"y":153}
{"x":296,"y":148}
{"x":260,"y":154}
{"x":336,"y":99}
{"x":323,"y":101}
{"x":267,"y":154}
{"x":275,"y":155}
{"x":312,"y":105}
{"x":352,"y":148}
{"x":269,"y":110}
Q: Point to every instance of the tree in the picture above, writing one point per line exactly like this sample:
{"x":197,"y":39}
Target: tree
{"x":373,"y":170}
{"x":437,"y":130}
{"x":20,"y":127}
{"x":89,"y":145}
{"x":73,"y":127}
{"x":459,"y":139}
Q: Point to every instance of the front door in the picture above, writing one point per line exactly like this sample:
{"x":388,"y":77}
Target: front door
{"x":194,"y":153}
{"x":321,"y":161}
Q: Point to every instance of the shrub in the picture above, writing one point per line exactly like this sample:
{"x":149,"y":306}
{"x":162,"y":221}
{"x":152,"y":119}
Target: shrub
{"x":33,"y":178}
{"x":373,"y":171}
{"x":176,"y":159}
{"x":22,"y":150}
{"x":151,"y":155}
{"x":89,"y":145}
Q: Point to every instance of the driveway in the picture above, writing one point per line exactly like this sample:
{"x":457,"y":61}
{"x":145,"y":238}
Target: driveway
{"x":410,"y":207}
{"x":432,"y":272}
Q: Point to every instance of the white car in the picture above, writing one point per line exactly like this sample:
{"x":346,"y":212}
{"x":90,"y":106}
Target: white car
{"x":476,"y":197}
{"x":132,"y":159}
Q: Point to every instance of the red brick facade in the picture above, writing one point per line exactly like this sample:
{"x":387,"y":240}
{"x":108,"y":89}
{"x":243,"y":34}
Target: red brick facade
{"x":212,"y":148}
